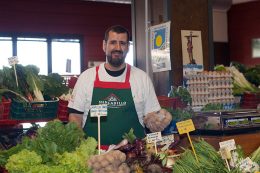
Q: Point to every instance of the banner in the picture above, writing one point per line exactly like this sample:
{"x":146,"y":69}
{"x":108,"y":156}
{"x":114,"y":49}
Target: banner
{"x":160,"y":47}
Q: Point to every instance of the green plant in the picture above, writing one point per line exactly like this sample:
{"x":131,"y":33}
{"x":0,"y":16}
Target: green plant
{"x":182,"y":93}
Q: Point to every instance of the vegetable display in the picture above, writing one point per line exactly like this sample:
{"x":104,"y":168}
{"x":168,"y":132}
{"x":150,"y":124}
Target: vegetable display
{"x":64,"y":148}
{"x":56,"y":148}
{"x":30,"y":85}
{"x":252,"y":74}
{"x":255,"y":156}
{"x":209,"y":161}
{"x":240,"y":83}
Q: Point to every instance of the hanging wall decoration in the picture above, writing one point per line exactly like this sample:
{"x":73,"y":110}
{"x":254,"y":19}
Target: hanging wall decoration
{"x":191,"y":52}
{"x":160,"y":47}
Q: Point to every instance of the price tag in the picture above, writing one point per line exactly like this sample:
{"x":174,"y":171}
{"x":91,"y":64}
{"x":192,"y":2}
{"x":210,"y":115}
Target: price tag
{"x":246,"y":164}
{"x":185,"y":126}
{"x":13,"y":60}
{"x":229,"y":144}
{"x":168,"y":139}
{"x":98,"y":110}
{"x":154,"y":137}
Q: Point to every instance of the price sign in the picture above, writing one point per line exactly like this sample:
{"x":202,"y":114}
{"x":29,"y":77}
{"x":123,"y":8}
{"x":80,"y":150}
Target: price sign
{"x":246,"y":164}
{"x":168,"y":139}
{"x":98,"y":110}
{"x":13,"y":60}
{"x":154,"y":137}
{"x":185,"y":126}
{"x":229,"y":144}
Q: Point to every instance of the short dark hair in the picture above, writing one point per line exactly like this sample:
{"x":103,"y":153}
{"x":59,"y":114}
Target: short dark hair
{"x":118,"y":29}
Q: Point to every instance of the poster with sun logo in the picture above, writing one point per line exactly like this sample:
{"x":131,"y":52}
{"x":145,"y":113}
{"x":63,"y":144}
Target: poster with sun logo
{"x":160,"y":47}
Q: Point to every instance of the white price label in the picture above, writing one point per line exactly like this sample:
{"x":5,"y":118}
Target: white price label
{"x":229,"y":144}
{"x":98,"y":110}
{"x":13,"y":60}
{"x":154,"y":137}
{"x":246,"y":164}
{"x":168,"y":139}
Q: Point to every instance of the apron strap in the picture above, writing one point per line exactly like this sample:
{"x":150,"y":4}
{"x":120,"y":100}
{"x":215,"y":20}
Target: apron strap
{"x":116,"y":85}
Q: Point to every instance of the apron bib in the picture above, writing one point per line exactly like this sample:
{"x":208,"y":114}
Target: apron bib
{"x":121,"y":113}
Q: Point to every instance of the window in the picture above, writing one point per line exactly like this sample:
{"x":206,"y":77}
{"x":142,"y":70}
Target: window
{"x":5,"y":50}
{"x":50,"y":54}
{"x":33,"y":51}
{"x":256,"y":48}
{"x":65,"y":56}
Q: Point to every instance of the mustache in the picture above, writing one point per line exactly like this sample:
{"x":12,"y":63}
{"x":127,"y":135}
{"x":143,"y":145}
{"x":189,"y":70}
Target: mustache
{"x":117,"y":51}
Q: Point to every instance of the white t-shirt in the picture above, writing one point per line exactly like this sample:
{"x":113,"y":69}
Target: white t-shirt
{"x":143,"y":93}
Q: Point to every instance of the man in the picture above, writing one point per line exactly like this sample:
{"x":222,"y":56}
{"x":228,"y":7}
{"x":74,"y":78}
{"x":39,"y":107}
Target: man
{"x":127,"y":91}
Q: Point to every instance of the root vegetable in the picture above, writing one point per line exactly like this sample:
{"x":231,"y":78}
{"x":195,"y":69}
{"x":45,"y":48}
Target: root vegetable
{"x":108,"y":162}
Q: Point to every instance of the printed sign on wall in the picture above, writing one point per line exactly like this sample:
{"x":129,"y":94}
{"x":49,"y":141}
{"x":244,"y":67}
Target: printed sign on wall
{"x":160,"y":47}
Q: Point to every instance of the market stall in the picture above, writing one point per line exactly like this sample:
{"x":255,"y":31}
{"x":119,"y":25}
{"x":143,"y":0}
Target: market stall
{"x":212,"y":130}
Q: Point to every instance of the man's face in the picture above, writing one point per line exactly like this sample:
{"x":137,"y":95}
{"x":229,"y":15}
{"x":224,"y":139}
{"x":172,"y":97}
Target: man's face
{"x":116,"y":48}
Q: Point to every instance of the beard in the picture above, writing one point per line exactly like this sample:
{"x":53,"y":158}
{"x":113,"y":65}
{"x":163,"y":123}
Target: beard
{"x":118,"y":60}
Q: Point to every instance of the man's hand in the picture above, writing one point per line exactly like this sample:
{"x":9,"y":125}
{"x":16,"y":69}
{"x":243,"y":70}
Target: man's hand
{"x":157,"y":121}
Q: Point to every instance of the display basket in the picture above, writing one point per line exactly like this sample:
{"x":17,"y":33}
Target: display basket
{"x":171,"y":102}
{"x":34,"y":110}
{"x":63,"y":114}
{"x":168,"y":102}
{"x":5,"y":108}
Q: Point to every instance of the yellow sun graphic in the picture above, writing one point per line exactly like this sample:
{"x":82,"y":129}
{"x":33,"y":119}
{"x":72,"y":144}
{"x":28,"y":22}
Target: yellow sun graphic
{"x":158,"y":40}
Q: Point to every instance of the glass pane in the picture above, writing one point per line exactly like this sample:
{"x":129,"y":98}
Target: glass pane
{"x":66,"y":57}
{"x":33,"y":51}
{"x":256,"y":48}
{"x":5,"y":50}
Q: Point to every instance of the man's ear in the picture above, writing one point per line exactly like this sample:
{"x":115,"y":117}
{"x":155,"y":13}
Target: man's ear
{"x":104,"y":45}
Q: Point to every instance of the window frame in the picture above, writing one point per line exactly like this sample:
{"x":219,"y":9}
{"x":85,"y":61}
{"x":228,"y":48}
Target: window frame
{"x":49,"y":38}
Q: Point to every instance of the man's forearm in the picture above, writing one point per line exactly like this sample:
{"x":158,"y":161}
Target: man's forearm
{"x":77,"y":118}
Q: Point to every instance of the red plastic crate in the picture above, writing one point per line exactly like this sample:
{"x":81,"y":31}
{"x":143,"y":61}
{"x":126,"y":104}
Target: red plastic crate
{"x":165,"y":101}
{"x":250,"y":101}
{"x":5,"y":107}
{"x":63,"y":114}
{"x":171,"y":102}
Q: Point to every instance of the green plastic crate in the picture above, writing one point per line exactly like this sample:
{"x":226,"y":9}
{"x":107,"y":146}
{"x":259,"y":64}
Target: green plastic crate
{"x":34,"y":110}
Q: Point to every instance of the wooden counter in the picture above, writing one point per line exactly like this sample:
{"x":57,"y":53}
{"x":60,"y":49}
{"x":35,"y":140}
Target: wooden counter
{"x":248,"y":141}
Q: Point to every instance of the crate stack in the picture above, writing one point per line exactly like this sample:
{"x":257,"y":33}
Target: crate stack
{"x":211,"y":87}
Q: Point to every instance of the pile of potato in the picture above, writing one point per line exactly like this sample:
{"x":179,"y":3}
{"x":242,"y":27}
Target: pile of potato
{"x":110,"y":162}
